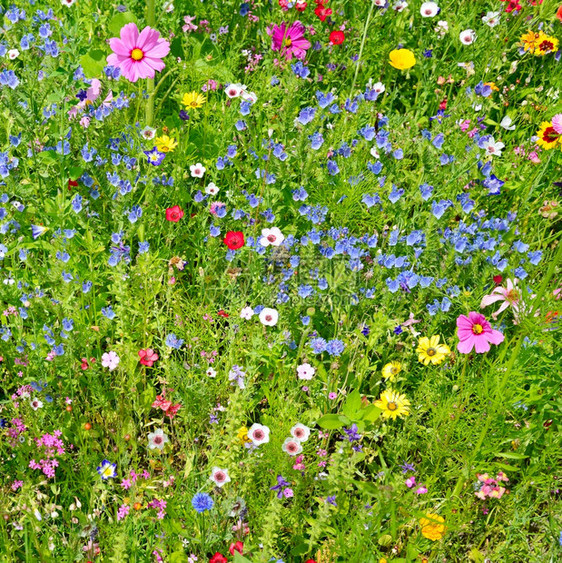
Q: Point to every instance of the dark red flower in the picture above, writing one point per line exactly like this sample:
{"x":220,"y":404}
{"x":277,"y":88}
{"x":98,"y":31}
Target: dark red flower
{"x":174,"y":214}
{"x":498,"y":280}
{"x":223,"y":313}
{"x":234,"y":240}
{"x":148,"y":357}
{"x":72,"y":184}
{"x":218,"y":558}
{"x":238,"y":546}
{"x":300,"y":6}
{"x":337,"y":37}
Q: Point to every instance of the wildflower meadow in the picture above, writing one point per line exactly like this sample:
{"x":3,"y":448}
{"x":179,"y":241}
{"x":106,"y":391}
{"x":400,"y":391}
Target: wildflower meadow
{"x":280,"y":281}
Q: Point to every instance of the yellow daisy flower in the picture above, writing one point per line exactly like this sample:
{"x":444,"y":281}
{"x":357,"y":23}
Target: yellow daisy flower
{"x":391,"y":370}
{"x":548,"y":138}
{"x":530,"y":40}
{"x":546,"y":45}
{"x":193,"y":100}
{"x":393,"y":404}
{"x":429,"y":350}
{"x":165,"y":143}
{"x":243,"y":435}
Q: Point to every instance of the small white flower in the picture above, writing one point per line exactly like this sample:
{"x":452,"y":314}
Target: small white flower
{"x":37,"y":515}
{"x":233,"y":90}
{"x":212,"y":189}
{"x":168,"y":8}
{"x":272,"y":237}
{"x":148,"y":133}
{"x":379,"y":87}
{"x":211,"y":372}
{"x":491,"y":18}
{"x":13,"y":54}
{"x":493,"y":148}
{"x":249,"y":96}
{"x":374,"y":152}
{"x":300,"y":432}
{"x":506,"y":123}
{"x":400,"y":5}
{"x":291,"y":446}
{"x":305,"y":371}
{"x":157,"y":439}
{"x":36,"y":404}
{"x":258,"y":434}
{"x":197,"y":170}
{"x":442,"y":27}
{"x":67,"y":3}
{"x":219,"y":476}
{"x":467,"y":37}
{"x":247,"y":313}
{"x":429,"y":9}
{"x":269,"y":317}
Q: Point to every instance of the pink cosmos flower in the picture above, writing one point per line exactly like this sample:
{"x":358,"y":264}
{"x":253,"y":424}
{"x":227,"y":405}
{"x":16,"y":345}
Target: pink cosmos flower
{"x":290,"y":40}
{"x":476,"y":332}
{"x":138,"y":55}
{"x":509,"y":295}
{"x":557,"y":123}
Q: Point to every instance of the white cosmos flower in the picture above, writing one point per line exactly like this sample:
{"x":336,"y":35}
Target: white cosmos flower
{"x":157,"y":439}
{"x":148,"y":133}
{"x":491,"y":18}
{"x":233,"y":90}
{"x":467,"y":37}
{"x":429,"y":9}
{"x":211,"y":372}
{"x":212,"y":189}
{"x":272,"y":237}
{"x":197,"y":170}
{"x":13,"y":54}
{"x":269,"y":317}
{"x":258,"y":434}
{"x":247,"y":313}
{"x":291,"y":446}
{"x":36,"y":404}
{"x":300,"y":432}
{"x":494,"y":148}
{"x":219,"y":476}
{"x":305,"y":371}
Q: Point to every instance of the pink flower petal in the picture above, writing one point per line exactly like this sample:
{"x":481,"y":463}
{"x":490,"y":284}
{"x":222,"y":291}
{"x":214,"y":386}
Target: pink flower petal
{"x":465,"y":346}
{"x":489,"y":299}
{"x":481,"y":344}
{"x":147,"y":39}
{"x":476,"y":318}
{"x":463,"y":322}
{"x":158,"y":50}
{"x":119,"y":47}
{"x":495,"y":337}
{"x":129,"y":35}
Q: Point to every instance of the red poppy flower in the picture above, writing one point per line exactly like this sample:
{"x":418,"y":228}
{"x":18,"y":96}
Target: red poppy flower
{"x":310,"y":561}
{"x":322,"y":12}
{"x":559,"y":14}
{"x":72,"y":183}
{"x":300,"y":6}
{"x":174,"y":214}
{"x":498,"y":280}
{"x":238,"y":546}
{"x":234,"y":240}
{"x":337,"y":37}
{"x":223,"y":313}
{"x":148,"y":357}
{"x":218,"y":558}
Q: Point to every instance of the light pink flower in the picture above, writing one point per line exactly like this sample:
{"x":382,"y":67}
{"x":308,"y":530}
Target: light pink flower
{"x":290,"y":40}
{"x":476,"y":332}
{"x":138,"y":55}
{"x":509,"y":295}
{"x":557,"y":123}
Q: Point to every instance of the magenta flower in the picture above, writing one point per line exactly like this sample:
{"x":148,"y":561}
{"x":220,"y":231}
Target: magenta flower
{"x":476,"y":332}
{"x":290,"y":40}
{"x":138,"y":55}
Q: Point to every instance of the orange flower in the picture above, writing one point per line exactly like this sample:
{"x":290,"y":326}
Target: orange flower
{"x":559,"y":13}
{"x":432,"y":527}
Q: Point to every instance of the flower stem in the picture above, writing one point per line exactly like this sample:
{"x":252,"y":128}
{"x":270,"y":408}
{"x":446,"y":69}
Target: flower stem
{"x":362,"y":45}
{"x":149,"y":113}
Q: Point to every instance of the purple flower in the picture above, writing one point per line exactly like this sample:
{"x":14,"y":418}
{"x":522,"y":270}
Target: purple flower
{"x":281,"y":484}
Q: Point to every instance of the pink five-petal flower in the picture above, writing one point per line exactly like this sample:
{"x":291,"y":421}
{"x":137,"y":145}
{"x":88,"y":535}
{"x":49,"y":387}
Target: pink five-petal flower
{"x":138,"y":55}
{"x":148,"y":357}
{"x":509,"y":295}
{"x":475,"y":332}
{"x":290,"y":40}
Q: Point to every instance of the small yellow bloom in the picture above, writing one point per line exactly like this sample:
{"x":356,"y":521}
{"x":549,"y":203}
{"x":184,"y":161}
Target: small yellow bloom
{"x":392,"y":404}
{"x":193,"y":100}
{"x":165,"y":143}
{"x":432,"y":527}
{"x":391,"y":370}
{"x":429,"y":350}
{"x":492,"y":85}
{"x":402,"y":59}
{"x":243,"y":435}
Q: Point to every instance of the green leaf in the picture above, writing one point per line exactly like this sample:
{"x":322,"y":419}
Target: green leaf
{"x":93,"y":63}
{"x":238,"y":558}
{"x":352,"y":404}
{"x":330,"y":421}
{"x":510,"y":455}
{"x":370,"y":413}
{"x":75,"y":172}
{"x":119,"y":20}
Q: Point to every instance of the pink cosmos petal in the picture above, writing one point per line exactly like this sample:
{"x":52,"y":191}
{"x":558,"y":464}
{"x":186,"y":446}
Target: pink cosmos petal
{"x":158,"y":50}
{"x":113,"y":60}
{"x":147,"y":39}
{"x":465,"y":346}
{"x":156,"y":64}
{"x":129,"y":70}
{"x":129,"y":35}
{"x":476,"y":318}
{"x":463,"y":322}
{"x":481,"y":344}
{"x":144,"y":70}
{"x":119,"y":47}
{"x":495,"y":337}
{"x":503,"y":307}
{"x":465,"y":333}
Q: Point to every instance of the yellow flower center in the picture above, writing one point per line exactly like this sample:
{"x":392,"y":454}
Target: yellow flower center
{"x":431,"y":352}
{"x":288,"y":42}
{"x":392,"y":406}
{"x":193,"y":104}
{"x":137,"y":54}
{"x":393,"y":370}
{"x":477,"y":329}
